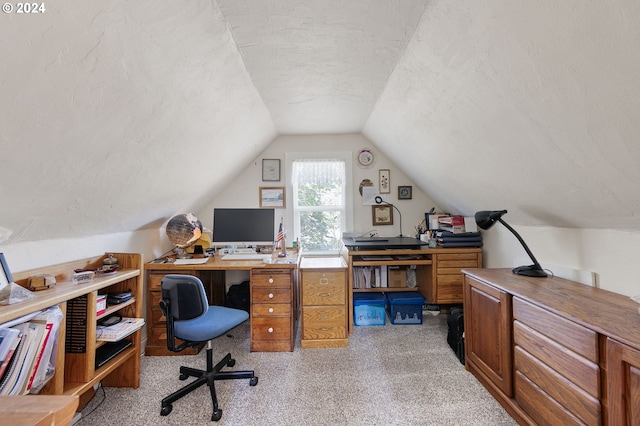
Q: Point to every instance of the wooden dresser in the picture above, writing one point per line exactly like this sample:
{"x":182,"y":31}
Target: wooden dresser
{"x":323,"y":287}
{"x":553,"y":351}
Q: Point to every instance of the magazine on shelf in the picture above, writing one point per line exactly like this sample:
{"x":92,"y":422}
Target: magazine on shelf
{"x":118,"y":331}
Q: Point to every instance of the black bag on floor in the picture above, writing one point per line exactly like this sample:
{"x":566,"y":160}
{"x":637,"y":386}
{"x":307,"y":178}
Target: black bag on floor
{"x":455,"y":336}
{"x":238,"y":297}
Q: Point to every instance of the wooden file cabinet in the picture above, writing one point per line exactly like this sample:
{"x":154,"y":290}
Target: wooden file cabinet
{"x":324,"y":302}
{"x":272,"y":310}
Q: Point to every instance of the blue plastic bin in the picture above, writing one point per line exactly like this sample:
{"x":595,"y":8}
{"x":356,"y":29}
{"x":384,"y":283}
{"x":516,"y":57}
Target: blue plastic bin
{"x":368,"y":308}
{"x":405,"y":307}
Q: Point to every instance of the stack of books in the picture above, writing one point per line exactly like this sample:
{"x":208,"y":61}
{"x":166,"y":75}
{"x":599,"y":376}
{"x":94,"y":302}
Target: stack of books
{"x":465,"y":239}
{"x":25,"y":350}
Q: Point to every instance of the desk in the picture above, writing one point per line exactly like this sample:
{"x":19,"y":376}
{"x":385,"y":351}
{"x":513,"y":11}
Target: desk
{"x":275,"y":329}
{"x":438,"y":271}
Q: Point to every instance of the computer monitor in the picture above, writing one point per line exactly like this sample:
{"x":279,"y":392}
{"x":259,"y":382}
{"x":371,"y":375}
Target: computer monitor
{"x":243,"y":227}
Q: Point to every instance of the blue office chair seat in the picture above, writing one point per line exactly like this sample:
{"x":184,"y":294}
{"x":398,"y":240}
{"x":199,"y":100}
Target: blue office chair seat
{"x":190,"y":319}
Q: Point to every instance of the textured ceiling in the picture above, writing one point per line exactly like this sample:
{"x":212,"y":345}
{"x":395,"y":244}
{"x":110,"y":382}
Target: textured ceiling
{"x":529,"y":106}
{"x":321,"y":65}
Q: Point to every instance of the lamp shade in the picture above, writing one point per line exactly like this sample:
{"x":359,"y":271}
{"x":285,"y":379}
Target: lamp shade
{"x":485,"y":219}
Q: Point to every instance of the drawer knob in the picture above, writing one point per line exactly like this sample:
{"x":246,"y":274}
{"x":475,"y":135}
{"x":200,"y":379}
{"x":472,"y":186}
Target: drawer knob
{"x":270,"y":295}
{"x":270,"y":330}
{"x":270,"y":310}
{"x":270,"y":280}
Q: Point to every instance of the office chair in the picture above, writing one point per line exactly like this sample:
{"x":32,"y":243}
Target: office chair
{"x":191,"y":319}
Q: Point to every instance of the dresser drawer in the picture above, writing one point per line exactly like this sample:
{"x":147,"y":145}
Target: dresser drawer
{"x":322,"y":288}
{"x":270,"y":328}
{"x":271,"y":295}
{"x":270,"y":310}
{"x":579,"y":339}
{"x":271,"y":278}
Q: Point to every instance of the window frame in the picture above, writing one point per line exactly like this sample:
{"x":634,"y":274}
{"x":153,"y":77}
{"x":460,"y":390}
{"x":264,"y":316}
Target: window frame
{"x":345,"y":156}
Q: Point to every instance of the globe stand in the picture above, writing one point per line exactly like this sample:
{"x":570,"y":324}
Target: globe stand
{"x":181,"y":253}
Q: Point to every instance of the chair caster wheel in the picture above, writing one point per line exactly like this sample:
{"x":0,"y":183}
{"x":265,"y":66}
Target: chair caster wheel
{"x":231,"y":362}
{"x":165,"y":410}
{"x":253,"y":381}
{"x":183,"y":376}
{"x":216,"y":415}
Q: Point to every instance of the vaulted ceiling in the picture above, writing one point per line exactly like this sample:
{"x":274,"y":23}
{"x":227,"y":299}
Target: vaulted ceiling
{"x":529,"y":106}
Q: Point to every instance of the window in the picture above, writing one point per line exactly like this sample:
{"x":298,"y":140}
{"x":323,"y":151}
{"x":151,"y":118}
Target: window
{"x":320,"y":189}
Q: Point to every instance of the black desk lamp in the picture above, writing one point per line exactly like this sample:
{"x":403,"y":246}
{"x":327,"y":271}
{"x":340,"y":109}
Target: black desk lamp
{"x":486,"y":219}
{"x":379,"y":200}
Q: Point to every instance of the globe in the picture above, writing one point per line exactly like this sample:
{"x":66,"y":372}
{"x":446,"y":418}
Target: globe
{"x":184,"y":230}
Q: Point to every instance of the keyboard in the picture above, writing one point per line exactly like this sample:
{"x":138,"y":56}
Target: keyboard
{"x":245,"y":256}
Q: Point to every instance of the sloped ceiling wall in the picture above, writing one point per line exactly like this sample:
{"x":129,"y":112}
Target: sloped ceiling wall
{"x":529,"y":106}
{"x":115,"y":116}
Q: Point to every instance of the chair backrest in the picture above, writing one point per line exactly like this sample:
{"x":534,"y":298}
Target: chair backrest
{"x":186,"y":296}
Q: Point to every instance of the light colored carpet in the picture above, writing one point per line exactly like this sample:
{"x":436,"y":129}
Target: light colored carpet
{"x":389,"y":375}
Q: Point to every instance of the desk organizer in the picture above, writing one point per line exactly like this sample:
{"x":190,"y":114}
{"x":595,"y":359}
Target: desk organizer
{"x":405,"y":307}
{"x":369,"y":308}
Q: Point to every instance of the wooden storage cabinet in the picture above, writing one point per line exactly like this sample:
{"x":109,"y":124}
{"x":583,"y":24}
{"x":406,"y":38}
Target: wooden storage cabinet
{"x":272,"y":310}
{"x":487,"y":324}
{"x":324,"y":302}
{"x":575,"y":348}
{"x":75,"y":373}
{"x":623,"y":383}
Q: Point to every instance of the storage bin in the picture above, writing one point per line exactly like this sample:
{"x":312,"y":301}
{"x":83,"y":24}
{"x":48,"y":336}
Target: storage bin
{"x":368,"y":308}
{"x":405,"y":307}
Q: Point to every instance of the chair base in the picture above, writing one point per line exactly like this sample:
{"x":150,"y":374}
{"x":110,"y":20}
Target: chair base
{"x":208,"y":377}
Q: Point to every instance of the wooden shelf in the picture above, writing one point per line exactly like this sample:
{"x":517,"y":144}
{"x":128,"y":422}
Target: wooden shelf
{"x":75,"y":373}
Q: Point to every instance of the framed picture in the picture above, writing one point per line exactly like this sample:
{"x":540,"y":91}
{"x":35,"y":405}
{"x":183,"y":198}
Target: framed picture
{"x":384,"y":178}
{"x":270,"y":169}
{"x":405,"y":192}
{"x":272,"y":197}
{"x":5,"y":274}
{"x":382,"y":215}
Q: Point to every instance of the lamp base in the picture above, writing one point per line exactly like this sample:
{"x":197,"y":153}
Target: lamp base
{"x":530,"y":271}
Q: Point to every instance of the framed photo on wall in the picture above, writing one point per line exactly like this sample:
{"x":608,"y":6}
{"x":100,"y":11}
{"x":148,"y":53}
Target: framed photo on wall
{"x":384,"y":178}
{"x":272,"y":197}
{"x":405,"y":192}
{"x":382,"y":215}
{"x":270,"y":169}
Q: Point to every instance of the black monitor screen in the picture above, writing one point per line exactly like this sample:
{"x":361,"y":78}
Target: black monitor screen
{"x":243,"y":227}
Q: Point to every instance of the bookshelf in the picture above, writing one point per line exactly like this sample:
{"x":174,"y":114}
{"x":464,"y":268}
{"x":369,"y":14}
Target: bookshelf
{"x":75,"y":370}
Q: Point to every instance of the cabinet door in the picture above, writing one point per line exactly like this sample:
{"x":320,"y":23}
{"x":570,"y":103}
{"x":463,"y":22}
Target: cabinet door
{"x":623,"y":384}
{"x":488,"y":341}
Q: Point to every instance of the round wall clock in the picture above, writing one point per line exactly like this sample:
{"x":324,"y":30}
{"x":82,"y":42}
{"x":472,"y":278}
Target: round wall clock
{"x":365,"y":158}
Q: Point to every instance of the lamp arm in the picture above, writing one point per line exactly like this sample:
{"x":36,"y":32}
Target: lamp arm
{"x":526,"y":248}
{"x":399,"y":215}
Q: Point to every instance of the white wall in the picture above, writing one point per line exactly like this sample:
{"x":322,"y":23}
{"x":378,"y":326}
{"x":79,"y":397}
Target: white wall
{"x":243,"y":190}
{"x":612,"y":255}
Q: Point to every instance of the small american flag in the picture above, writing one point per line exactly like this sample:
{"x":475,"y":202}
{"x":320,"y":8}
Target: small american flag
{"x":280,"y":236}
